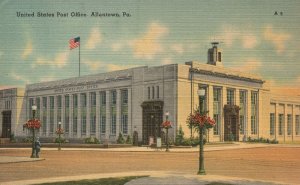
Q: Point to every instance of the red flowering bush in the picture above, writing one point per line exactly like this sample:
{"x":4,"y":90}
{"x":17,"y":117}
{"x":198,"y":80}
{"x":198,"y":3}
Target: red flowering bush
{"x":32,"y":123}
{"x":199,"y":121}
{"x":166,"y":125}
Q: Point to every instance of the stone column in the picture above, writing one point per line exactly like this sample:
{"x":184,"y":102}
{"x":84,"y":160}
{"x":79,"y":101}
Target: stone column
{"x":248,"y":114}
{"x":130,"y":129}
{"x":48,"y":116}
{"x":210,"y":104}
{"x":71,"y":134}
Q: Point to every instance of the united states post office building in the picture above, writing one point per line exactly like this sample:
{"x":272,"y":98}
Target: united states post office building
{"x":134,"y":101}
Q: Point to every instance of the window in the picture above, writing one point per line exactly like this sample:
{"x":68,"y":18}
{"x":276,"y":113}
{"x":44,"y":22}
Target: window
{"x":281,"y":124}
{"x":230,"y":96}
{"x":149,"y":93}
{"x":44,"y":102}
{"x":157,"y":92}
{"x":242,"y":111}
{"x":153,"y":92}
{"x":297,"y":122}
{"x":114,"y":97}
{"x":102,"y":124}
{"x":113,"y":125}
{"x":217,"y":109}
{"x":38,"y":105}
{"x":254,"y":108}
{"x":124,"y":96}
{"x":289,"y":124}
{"x":59,"y":107}
{"x":93,"y":99}
{"x":103,"y":98}
{"x":83,"y":100}
{"x":272,"y":123}
{"x":59,"y":103}
{"x":51,"y":114}
{"x":219,"y":56}
{"x":75,"y":113}
{"x":83,"y":103}
{"x":44,"y":126}
{"x":124,"y":123}
{"x":67,"y":113}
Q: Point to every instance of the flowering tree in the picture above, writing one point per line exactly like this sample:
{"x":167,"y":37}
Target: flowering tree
{"x":200,"y":121}
{"x":59,"y":131}
{"x":166,"y":124}
{"x":32,"y":124}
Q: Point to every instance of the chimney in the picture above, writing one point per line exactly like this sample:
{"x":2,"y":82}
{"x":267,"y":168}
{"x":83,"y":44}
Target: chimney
{"x":214,"y":55}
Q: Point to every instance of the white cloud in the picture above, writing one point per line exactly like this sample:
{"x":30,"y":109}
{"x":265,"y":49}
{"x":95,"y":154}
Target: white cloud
{"x":278,"y":39}
{"x":59,"y":61}
{"x":20,"y":78}
{"x":149,"y":44}
{"x":47,"y":79}
{"x":167,"y":61}
{"x":94,"y":39}
{"x":178,"y":48}
{"x":228,"y":35}
{"x":27,"y":50}
{"x":249,"y":41}
{"x":116,"y":47}
{"x":249,"y":66}
{"x":93,"y":65}
{"x":113,"y":67}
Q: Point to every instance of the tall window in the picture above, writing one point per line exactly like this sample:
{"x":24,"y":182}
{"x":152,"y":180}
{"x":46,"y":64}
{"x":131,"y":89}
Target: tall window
{"x":102,"y":112}
{"x":289,"y":124}
{"x":217,"y":109}
{"x":272,"y":123}
{"x":230,"y":96}
{"x":31,"y":102}
{"x":113,"y":123}
{"x":38,"y":105}
{"x":149,"y":92}
{"x":124,"y":124}
{"x":297,"y":123}
{"x":67,"y":113}
{"x":157,"y":92}
{"x":281,"y":124}
{"x":44,"y":123}
{"x":254,"y":109}
{"x":93,"y":113}
{"x":124,"y":96}
{"x":243,"y":99}
{"x":75,"y":113}
{"x":59,"y":107}
{"x":83,"y":104}
{"x":153,"y":92}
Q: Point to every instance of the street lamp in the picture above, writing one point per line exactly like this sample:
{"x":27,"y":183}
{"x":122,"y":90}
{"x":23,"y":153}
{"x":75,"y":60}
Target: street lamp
{"x":167,"y":139}
{"x":59,"y":133}
{"x":33,"y":107}
{"x":201,"y":93}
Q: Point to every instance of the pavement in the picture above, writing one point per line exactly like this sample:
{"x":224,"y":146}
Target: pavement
{"x":154,"y":177}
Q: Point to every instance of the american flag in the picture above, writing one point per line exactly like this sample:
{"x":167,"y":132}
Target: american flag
{"x":74,"y":43}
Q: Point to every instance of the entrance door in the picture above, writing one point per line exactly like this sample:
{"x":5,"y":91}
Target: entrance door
{"x":231,"y":123}
{"x":152,"y":119}
{"x":6,"y":124}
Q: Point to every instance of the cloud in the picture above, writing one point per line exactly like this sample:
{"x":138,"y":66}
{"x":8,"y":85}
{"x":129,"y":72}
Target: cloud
{"x":93,"y":65}
{"x":27,"y":50}
{"x":178,"y":48}
{"x":149,"y":44}
{"x":94,"y":39}
{"x":59,"y":61}
{"x":278,"y":39}
{"x":249,"y":41}
{"x":166,"y":61}
{"x":19,"y":77}
{"x":116,"y":46}
{"x":47,"y":79}
{"x":251,"y":65}
{"x":113,"y":67}
{"x":228,"y":35}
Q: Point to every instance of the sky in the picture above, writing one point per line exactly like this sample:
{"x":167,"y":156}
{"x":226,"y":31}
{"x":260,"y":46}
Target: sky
{"x":256,"y":36}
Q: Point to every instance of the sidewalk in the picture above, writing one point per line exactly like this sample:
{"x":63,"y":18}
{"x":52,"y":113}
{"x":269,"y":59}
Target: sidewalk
{"x":155,"y":178}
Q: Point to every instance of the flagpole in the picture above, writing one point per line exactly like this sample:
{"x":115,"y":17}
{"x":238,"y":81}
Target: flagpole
{"x":79,"y":59}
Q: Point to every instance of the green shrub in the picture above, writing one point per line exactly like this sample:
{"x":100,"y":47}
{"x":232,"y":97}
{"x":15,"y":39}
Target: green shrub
{"x":60,"y":140}
{"x":91,"y":140}
{"x":28,"y":139}
{"x":179,"y":137}
{"x":262,"y":140}
{"x":120,"y":139}
{"x":128,"y":140}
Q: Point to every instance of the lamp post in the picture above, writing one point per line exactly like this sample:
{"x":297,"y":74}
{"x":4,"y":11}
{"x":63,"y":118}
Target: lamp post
{"x":201,"y":93}
{"x":59,"y":133}
{"x":33,"y":107}
{"x":167,"y":129}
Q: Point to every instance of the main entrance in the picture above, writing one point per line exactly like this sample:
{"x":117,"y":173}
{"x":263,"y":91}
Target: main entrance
{"x":231,"y":123}
{"x":152,"y":119}
{"x":6,"y":124}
